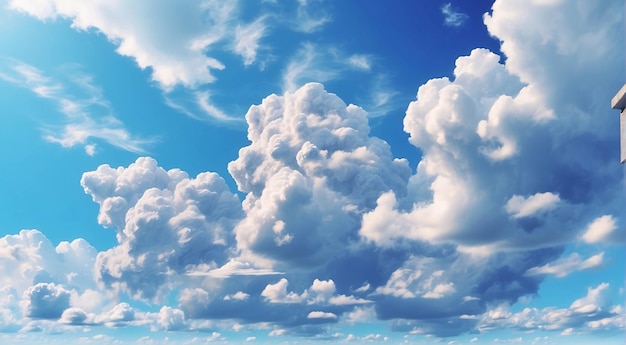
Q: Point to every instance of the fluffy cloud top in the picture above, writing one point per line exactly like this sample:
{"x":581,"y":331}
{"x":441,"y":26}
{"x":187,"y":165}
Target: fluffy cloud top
{"x":165,"y":222}
{"x":309,"y":171}
{"x":46,"y":301}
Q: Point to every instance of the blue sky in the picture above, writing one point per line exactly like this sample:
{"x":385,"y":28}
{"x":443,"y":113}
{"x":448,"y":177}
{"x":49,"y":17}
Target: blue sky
{"x":311,"y":171}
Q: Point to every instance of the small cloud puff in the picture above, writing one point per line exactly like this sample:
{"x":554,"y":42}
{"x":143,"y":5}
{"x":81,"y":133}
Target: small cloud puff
{"x":452,"y":17}
{"x":46,"y":301}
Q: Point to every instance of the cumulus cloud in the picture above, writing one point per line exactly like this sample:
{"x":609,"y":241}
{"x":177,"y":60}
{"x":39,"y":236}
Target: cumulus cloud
{"x":321,"y":315}
{"x":507,"y":135}
{"x":310,"y":169}
{"x":171,"y":319}
{"x":120,"y":315}
{"x":29,"y":258}
{"x":591,"y":313}
{"x":334,"y":228}
{"x":75,"y":316}
{"x":46,"y":301}
{"x":277,"y":293}
{"x":519,"y":207}
{"x":505,"y":175}
{"x":321,"y":292}
{"x":165,"y":222}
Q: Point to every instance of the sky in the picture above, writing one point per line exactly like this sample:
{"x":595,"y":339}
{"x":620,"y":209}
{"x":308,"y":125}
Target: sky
{"x":311,"y":171}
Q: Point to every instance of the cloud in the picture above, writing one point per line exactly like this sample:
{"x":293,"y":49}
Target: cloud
{"x":520,"y":207}
{"x":591,"y":313}
{"x":452,"y":17}
{"x":29,"y":258}
{"x":321,"y":292}
{"x":166,"y":223}
{"x":307,"y":182}
{"x":359,"y":61}
{"x":170,"y":41}
{"x":75,"y":316}
{"x":502,"y":175}
{"x":333,"y":228}
{"x":306,"y":67}
{"x":120,"y":315}
{"x":171,"y":319}
{"x":247,"y":40}
{"x":174,"y":42}
{"x":310,"y":16}
{"x":600,"y":229}
{"x":321,"y":315}
{"x":87,"y":117}
{"x":565,"y":266}
{"x":320,"y":64}
{"x":510,"y":135}
{"x":46,"y":301}
{"x":277,"y":293}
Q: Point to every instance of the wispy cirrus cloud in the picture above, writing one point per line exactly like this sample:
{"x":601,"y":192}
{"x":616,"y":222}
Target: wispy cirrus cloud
{"x":452,"y":17}
{"x":174,"y":41}
{"x":319,"y":63}
{"x":311,"y":16}
{"x":88,"y":115}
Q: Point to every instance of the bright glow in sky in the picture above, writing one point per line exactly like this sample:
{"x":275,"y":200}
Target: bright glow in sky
{"x":262,"y":171}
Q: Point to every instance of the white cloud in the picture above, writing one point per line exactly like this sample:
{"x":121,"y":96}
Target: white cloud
{"x":361,"y":314}
{"x":203,"y":99}
{"x":591,"y":313}
{"x":171,"y":319}
{"x":233,"y":267}
{"x":520,"y":207}
{"x":166,"y":223}
{"x":87,"y":117}
{"x":322,"y":195}
{"x":300,"y":178}
{"x":321,"y":292}
{"x":565,"y":266}
{"x":310,"y":16}
{"x":360,"y":61}
{"x":452,"y":17}
{"x":46,"y":301}
{"x":321,"y":315}
{"x":76,"y":316}
{"x":519,"y":129}
{"x":440,"y":290}
{"x":239,"y":295}
{"x":599,"y":229}
{"x":247,"y":39}
{"x":319,"y":63}
{"x":277,"y":293}
{"x":306,"y":66}
{"x":170,"y":39}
